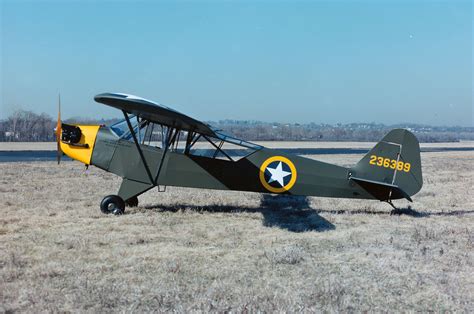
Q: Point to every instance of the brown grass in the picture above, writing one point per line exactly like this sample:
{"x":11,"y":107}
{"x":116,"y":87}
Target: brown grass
{"x":201,"y":250}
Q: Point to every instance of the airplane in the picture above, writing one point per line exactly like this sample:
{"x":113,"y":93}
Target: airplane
{"x":156,"y":146}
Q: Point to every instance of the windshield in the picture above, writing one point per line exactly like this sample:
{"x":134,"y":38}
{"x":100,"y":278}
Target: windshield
{"x":120,"y":128}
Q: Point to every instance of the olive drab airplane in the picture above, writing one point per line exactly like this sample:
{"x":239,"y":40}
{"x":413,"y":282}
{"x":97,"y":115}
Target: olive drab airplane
{"x":156,"y":146}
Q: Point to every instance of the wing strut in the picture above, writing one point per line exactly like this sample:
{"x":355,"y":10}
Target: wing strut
{"x":170,"y":138}
{"x":138,"y":147}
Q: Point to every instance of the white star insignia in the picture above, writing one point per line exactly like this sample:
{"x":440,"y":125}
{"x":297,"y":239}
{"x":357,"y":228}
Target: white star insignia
{"x":278,"y":174}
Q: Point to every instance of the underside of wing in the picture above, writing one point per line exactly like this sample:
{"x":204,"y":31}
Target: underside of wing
{"x":154,"y":112}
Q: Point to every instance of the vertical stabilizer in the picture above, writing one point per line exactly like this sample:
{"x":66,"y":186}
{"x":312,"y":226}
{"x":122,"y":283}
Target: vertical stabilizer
{"x":392,"y":169}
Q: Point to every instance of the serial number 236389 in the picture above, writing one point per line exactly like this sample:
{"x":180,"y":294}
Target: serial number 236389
{"x":389,"y":163}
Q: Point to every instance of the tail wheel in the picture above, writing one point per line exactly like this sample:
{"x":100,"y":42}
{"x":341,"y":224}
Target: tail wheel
{"x":112,"y":204}
{"x":132,"y":202}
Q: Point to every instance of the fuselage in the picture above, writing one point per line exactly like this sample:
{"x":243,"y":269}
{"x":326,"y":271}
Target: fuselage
{"x":302,"y":176}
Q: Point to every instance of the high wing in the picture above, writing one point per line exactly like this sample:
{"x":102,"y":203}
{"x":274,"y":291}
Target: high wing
{"x":154,"y":112}
{"x":175,"y":122}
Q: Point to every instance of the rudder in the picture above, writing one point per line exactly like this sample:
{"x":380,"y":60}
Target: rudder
{"x":392,"y":169}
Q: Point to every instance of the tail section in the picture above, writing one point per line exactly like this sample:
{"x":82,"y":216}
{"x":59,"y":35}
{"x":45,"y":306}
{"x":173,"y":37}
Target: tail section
{"x":392,"y":169}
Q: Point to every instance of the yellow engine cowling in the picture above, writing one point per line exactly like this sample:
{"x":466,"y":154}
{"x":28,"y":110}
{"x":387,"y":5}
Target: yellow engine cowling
{"x":81,"y":148}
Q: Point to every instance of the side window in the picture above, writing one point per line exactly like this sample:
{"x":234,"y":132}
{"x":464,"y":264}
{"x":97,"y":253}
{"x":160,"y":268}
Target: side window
{"x":219,"y":149}
{"x":151,"y":134}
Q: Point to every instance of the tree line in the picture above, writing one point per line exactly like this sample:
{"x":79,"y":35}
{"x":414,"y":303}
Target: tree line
{"x":27,"y":126}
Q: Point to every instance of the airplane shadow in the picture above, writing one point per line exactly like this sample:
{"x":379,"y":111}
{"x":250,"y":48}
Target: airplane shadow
{"x":295,"y":214}
{"x":407,"y":211}
{"x":417,"y":214}
{"x":289,"y":212}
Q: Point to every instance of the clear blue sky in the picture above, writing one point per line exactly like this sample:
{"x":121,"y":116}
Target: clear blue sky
{"x":323,"y":62}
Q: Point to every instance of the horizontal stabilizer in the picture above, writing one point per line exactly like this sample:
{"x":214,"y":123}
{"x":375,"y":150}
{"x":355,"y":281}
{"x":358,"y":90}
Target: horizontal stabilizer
{"x":381,"y":190}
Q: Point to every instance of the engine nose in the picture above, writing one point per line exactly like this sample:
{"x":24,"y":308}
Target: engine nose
{"x":77,"y":141}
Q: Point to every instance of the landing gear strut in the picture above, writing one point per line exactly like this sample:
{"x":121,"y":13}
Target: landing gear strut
{"x":395,"y":210}
{"x":391,"y":204}
{"x":112,"y":204}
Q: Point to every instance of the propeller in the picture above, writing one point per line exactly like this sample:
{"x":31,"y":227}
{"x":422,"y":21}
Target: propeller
{"x":58,"y":131}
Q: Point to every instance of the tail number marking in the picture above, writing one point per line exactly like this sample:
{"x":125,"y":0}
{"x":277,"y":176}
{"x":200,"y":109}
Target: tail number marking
{"x":389,"y":163}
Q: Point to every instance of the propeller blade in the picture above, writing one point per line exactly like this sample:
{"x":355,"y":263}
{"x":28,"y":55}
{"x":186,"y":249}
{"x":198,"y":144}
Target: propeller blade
{"x":59,"y":153}
{"x":59,"y":131}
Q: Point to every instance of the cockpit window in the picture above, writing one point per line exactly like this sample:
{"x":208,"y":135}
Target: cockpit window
{"x":220,"y":146}
{"x":141,"y":128}
{"x":120,"y":128}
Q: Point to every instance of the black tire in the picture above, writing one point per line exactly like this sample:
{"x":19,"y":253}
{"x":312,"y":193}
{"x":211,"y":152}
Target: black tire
{"x":132,"y":202}
{"x":112,"y":204}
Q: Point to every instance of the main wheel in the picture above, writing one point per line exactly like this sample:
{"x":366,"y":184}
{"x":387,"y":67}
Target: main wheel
{"x":112,"y":204}
{"x":132,"y":202}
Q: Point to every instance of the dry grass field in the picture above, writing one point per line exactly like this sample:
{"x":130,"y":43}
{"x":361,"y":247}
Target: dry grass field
{"x":201,"y":250}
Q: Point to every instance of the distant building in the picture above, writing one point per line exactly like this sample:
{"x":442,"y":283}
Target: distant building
{"x":12,"y":135}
